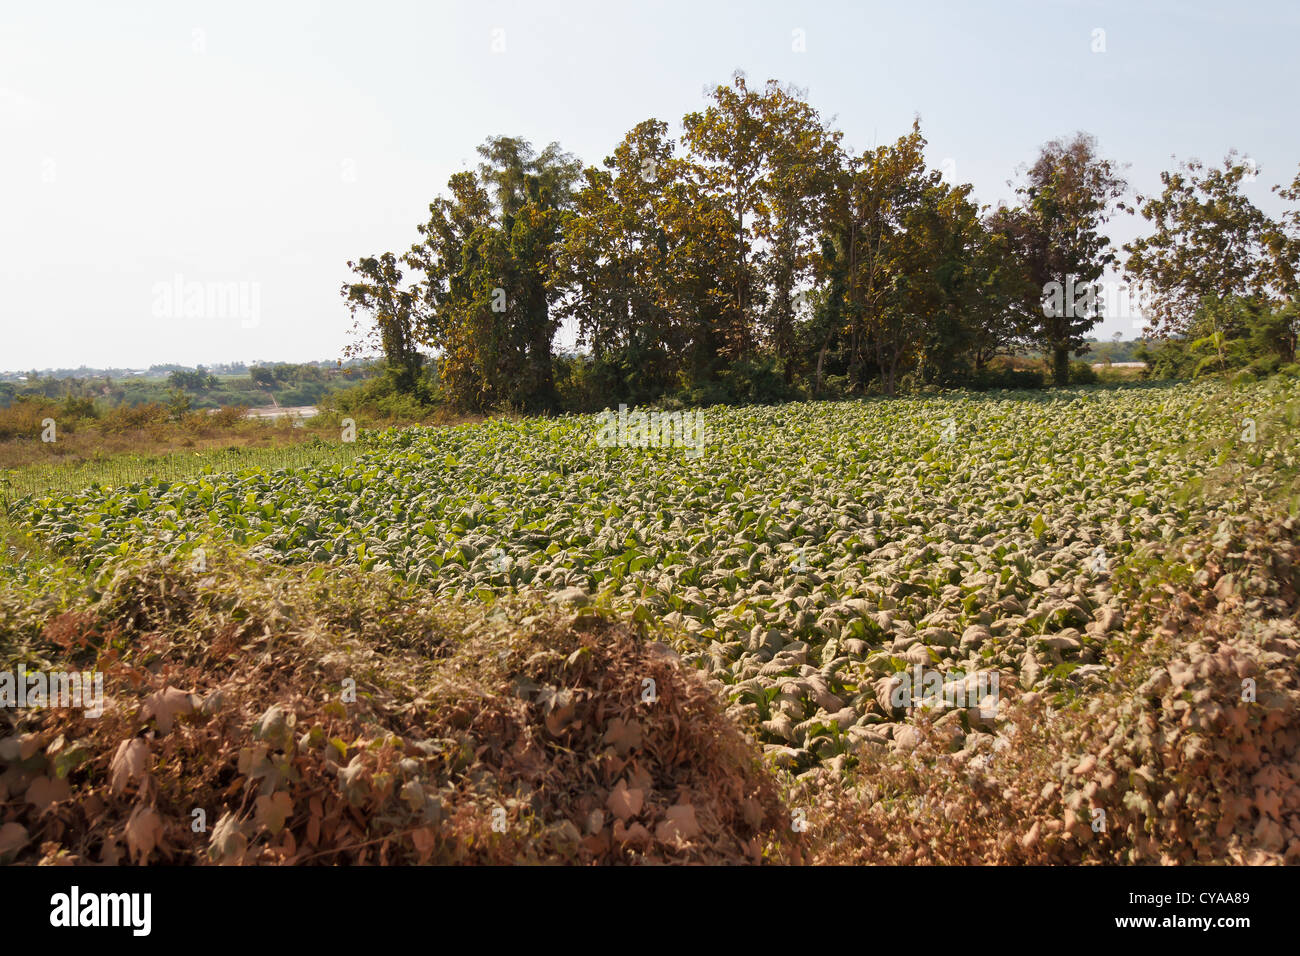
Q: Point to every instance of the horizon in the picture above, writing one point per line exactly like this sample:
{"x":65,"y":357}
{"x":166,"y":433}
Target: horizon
{"x":343,"y":362}
{"x":210,"y":155}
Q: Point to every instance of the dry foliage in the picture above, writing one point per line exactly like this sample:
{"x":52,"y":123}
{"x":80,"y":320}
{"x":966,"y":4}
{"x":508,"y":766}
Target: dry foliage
{"x":1181,"y":760}
{"x":516,"y":734}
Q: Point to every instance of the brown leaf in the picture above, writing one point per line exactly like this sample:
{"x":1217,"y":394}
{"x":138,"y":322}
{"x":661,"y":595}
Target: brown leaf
{"x":143,"y":832}
{"x":128,"y":764}
{"x":598,"y":843}
{"x":13,"y":836}
{"x":636,"y":833}
{"x":43,"y":791}
{"x":640,"y":778}
{"x":272,"y":810}
{"x":110,"y":854}
{"x":164,"y":705}
{"x":625,"y":803}
{"x":227,"y":843}
{"x":424,"y":841}
{"x":290,"y":844}
{"x":623,"y":735}
{"x":680,"y":824}
{"x":560,"y":709}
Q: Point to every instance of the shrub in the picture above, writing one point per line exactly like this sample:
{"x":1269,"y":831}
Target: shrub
{"x":749,"y":381}
{"x":1007,"y":378}
{"x":77,"y":407}
{"x":380,"y":399}
{"x":1082,"y":373}
{"x":128,"y":417}
{"x":23,"y":418}
{"x":228,"y":415}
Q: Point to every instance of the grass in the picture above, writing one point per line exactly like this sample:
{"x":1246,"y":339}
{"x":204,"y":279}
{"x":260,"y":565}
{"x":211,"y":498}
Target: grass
{"x":127,"y":469}
{"x":127,"y":445}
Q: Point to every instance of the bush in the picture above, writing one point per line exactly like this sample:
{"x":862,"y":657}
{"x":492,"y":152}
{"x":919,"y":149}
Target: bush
{"x":178,"y":403}
{"x":381,"y":399}
{"x":685,"y":748}
{"x":77,"y":407}
{"x":128,"y":417}
{"x":23,"y":419}
{"x":1225,"y":335}
{"x":306,"y":393}
{"x":749,"y":381}
{"x":1007,"y":378}
{"x":1265,"y":365}
{"x":1082,"y":373}
{"x":228,"y":415}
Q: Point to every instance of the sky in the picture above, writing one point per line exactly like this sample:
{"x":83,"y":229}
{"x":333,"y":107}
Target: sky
{"x":185,"y":182}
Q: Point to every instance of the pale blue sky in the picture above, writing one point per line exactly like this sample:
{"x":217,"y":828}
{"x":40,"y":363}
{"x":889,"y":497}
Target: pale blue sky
{"x":267,"y":143}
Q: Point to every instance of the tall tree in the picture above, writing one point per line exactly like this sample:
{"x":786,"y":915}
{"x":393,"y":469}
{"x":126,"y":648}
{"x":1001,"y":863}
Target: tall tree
{"x":1002,"y":304}
{"x":439,"y":258}
{"x":1209,"y":242}
{"x":727,"y":142}
{"x":391,"y":305}
{"x":1066,"y":197}
{"x":894,"y":196}
{"x":800,"y":156}
{"x":645,"y":265}
{"x":615,"y":264}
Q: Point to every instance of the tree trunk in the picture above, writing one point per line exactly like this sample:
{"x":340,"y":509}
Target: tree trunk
{"x":1060,"y":366}
{"x":887,"y":376}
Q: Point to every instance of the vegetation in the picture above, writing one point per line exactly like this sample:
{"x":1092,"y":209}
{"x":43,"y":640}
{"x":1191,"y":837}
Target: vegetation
{"x":932,"y":535}
{"x":523,"y":708}
{"x":757,"y":260}
{"x":274,"y":384}
{"x":518,"y":572}
{"x":846,"y":582}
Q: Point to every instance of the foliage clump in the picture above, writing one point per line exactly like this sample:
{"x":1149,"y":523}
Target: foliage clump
{"x":252,"y":718}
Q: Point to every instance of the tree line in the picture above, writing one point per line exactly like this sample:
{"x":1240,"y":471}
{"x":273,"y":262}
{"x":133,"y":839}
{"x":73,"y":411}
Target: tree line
{"x":758,"y":257}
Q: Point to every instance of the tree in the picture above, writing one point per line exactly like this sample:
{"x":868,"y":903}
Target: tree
{"x":262,"y":375}
{"x":1209,"y":242}
{"x":892,"y":201}
{"x":645,"y":266}
{"x":1067,"y":195}
{"x":439,"y":258}
{"x":480,"y":292}
{"x":1283,"y":242}
{"x":922,"y":316}
{"x":727,"y":143}
{"x":976,"y":286}
{"x":198,"y":380}
{"x":511,"y":267}
{"x":392,"y":308}
{"x":1000,"y":297}
{"x":615,"y":265}
{"x":800,"y":159}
